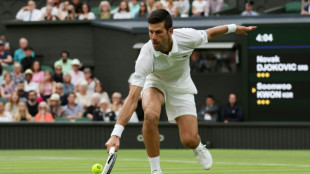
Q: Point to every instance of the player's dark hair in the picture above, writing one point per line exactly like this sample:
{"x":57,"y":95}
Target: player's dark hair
{"x":211,"y":96}
{"x":160,"y":15}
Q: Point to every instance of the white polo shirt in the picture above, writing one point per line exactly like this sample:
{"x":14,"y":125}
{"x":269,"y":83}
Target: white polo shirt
{"x":172,"y":70}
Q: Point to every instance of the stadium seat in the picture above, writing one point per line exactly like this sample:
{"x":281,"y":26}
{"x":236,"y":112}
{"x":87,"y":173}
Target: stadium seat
{"x":83,"y":119}
{"x":293,"y":7}
{"x":225,"y":6}
{"x":3,"y":100}
{"x":61,"y":119}
{"x":8,"y":68}
{"x":95,"y":10}
{"x":47,"y":68}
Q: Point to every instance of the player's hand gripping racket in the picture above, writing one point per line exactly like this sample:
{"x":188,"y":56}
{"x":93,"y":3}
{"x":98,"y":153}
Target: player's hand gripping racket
{"x":110,"y":161}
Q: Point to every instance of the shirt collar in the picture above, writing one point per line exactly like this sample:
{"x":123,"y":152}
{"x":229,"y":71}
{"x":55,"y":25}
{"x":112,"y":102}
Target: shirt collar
{"x":173,"y":50}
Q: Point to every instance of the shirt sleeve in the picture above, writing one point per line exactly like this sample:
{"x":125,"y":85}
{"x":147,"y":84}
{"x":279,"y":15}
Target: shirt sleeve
{"x":144,"y":66}
{"x":190,"y":37}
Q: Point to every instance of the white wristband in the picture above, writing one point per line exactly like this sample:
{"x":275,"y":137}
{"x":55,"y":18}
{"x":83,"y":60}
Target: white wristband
{"x":118,"y":130}
{"x":231,"y":28}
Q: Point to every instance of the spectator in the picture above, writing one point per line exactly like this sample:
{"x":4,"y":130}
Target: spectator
{"x":71,"y":13}
{"x":67,"y":85}
{"x":91,"y":81}
{"x":28,"y":60}
{"x":183,"y":8}
{"x":20,"y":53}
{"x":64,"y":62}
{"x":49,"y":4}
{"x":195,"y":62}
{"x":104,"y":113}
{"x":4,"y":116}
{"x":29,"y":12}
{"x":20,"y":89}
{"x":38,"y":74}
{"x":86,"y":13}
{"x":48,"y":15}
{"x":158,"y":5}
{"x":143,"y":11}
{"x":134,"y":7}
{"x":105,"y":10}
{"x":116,"y":105}
{"x":150,"y":4}
{"x":76,"y":75}
{"x":43,"y":115}
{"x":58,"y":76}
{"x":6,"y":43}
{"x":32,"y":103}
{"x":209,"y":112}
{"x":198,"y":7}
{"x":8,"y":87}
{"x":213,"y":6}
{"x":73,"y":110}
{"x":249,"y":9}
{"x":172,"y":8}
{"x":63,"y":12}
{"x":29,"y":85}
{"x":12,"y":105}
{"x":47,"y":86}
{"x":305,"y":8}
{"x":59,"y":91}
{"x":103,"y":95}
{"x":82,"y":97}
{"x":77,"y":6}
{"x":94,"y":107}
{"x":5,"y":56}
{"x":123,"y":11}
{"x":22,"y":113}
{"x":232,"y":111}
{"x":55,"y":108}
{"x":17,"y":75}
{"x":59,"y":5}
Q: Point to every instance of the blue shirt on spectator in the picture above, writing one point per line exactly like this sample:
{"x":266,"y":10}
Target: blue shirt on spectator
{"x":5,"y":55}
{"x":73,"y":111}
{"x":19,"y":55}
{"x":67,"y":89}
{"x":18,"y":79}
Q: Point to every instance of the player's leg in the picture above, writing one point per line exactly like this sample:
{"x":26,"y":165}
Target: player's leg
{"x":152,"y":100}
{"x":188,"y":130}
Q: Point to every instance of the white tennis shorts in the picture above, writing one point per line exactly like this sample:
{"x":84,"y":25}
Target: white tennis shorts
{"x":177,"y":104}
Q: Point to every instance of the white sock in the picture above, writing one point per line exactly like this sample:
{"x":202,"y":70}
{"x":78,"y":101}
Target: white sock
{"x":155,"y":163}
{"x":198,"y":147}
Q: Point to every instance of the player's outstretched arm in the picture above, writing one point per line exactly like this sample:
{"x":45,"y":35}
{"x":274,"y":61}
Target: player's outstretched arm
{"x":224,"y":29}
{"x":126,"y":112}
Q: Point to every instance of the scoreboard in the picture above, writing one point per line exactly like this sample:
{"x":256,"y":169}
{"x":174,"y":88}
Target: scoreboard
{"x":278,"y":74}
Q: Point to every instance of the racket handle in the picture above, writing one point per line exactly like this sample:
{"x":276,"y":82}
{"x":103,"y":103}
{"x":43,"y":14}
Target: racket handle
{"x":112,"y":150}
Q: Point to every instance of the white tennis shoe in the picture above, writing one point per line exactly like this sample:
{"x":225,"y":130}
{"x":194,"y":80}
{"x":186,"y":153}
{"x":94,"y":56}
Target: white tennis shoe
{"x":203,"y":156}
{"x":156,"y":172}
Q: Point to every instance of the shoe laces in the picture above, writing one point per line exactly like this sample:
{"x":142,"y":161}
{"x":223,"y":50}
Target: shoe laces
{"x":199,"y":153}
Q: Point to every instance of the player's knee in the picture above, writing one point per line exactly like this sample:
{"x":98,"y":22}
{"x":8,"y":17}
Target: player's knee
{"x":150,"y":118}
{"x":190,"y":142}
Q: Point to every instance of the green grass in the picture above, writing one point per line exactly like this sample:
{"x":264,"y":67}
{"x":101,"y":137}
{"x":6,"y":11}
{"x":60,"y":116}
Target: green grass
{"x":172,"y":161}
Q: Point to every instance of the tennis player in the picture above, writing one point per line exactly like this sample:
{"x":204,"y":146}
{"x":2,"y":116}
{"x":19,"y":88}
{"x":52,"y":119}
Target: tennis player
{"x":162,"y":76}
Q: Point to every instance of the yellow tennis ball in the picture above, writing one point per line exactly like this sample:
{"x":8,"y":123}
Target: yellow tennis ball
{"x":97,"y":168}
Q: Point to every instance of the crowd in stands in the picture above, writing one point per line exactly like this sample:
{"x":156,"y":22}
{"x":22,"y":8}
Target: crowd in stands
{"x":231,"y":112}
{"x":127,"y":9}
{"x":66,"y":92}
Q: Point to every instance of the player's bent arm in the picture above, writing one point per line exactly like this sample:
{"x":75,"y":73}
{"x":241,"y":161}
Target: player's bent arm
{"x":225,"y":29}
{"x":126,"y":112}
{"x":130,"y":105}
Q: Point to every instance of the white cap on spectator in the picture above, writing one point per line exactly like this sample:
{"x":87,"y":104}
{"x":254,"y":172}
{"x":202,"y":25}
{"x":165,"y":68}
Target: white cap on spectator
{"x":83,"y":83}
{"x":28,"y":71}
{"x":104,"y":101}
{"x":55,"y":96}
{"x":76,"y":62}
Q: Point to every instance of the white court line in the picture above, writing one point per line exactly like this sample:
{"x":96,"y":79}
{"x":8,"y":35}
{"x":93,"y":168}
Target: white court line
{"x":172,"y":161}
